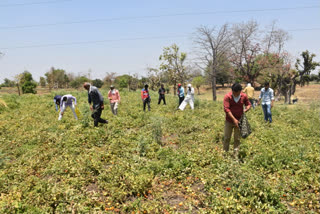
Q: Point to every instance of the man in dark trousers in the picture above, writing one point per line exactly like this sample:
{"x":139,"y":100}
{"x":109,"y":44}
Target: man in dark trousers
{"x":145,"y":97}
{"x":162,"y":93}
{"x":95,"y":97}
{"x":180,"y":93}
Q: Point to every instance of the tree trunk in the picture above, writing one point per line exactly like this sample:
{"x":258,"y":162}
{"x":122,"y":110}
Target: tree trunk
{"x":198,"y":90}
{"x":214,"y":84}
{"x":214,"y":89}
{"x":18,"y":88}
{"x":175,"y":89}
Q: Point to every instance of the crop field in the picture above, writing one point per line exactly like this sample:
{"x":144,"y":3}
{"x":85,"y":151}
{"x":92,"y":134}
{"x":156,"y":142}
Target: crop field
{"x":163,"y":161}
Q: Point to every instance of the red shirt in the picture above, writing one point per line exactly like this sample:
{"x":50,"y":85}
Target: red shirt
{"x":235,"y":108}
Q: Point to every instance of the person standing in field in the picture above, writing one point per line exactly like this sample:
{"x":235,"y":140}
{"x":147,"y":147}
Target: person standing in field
{"x":267,"y":98}
{"x":249,"y":91}
{"x":189,"y":98}
{"x":95,"y":97}
{"x":68,"y":101}
{"x":145,"y":96}
{"x":233,"y":103}
{"x":180,"y":93}
{"x":56,"y":101}
{"x":162,"y":93}
{"x":114,"y":98}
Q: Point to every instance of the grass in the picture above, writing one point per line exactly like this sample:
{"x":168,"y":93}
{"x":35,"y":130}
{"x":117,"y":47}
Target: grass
{"x":163,"y":161}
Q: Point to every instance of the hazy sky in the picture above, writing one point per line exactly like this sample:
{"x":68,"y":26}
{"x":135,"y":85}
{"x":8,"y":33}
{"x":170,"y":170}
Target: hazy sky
{"x":133,"y":32}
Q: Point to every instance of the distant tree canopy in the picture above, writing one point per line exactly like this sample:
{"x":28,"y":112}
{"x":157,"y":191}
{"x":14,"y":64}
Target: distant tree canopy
{"x":78,"y":81}
{"x":8,"y":83}
{"x":43,"y":82}
{"x":28,"y":85}
{"x":97,"y":82}
{"x":57,"y":78}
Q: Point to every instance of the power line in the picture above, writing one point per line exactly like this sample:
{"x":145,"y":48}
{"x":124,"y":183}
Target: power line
{"x":33,"y":3}
{"x":155,"y":16}
{"x":118,"y":40}
{"x":93,"y":42}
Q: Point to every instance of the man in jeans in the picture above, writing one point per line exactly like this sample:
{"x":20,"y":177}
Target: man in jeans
{"x":233,"y":103}
{"x":96,"y":99}
{"x":266,"y":95}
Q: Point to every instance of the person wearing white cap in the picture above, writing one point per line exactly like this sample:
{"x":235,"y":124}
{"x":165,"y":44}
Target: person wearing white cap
{"x":249,"y":90}
{"x":114,"y":97}
{"x":188,"y":99}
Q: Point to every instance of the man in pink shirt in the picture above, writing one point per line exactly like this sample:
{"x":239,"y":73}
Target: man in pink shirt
{"x":233,"y":103}
{"x":114,"y":98}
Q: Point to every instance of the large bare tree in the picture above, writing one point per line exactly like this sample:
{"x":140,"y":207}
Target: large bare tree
{"x":212,"y":45}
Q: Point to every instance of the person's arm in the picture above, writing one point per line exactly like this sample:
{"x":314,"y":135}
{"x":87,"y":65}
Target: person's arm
{"x":192,"y":91}
{"x":272,"y":98}
{"x":247,"y":104}
{"x":142,"y":94}
{"x":118,"y":96}
{"x":109,"y":95}
{"x":260,"y":96}
{"x":75,"y":100}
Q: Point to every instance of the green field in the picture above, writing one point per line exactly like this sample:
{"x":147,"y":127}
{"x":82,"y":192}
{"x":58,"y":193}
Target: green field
{"x":163,"y":161}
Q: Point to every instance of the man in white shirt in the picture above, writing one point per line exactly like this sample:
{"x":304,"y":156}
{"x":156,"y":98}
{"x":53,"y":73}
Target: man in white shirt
{"x":267,"y":98}
{"x":67,"y":100}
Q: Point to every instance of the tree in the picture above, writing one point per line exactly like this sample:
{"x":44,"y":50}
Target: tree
{"x":42,"y":82}
{"x":197,"y":82}
{"x":172,"y":64}
{"x":27,"y":83}
{"x":78,"y":81}
{"x":155,"y":77}
{"x":213,"y":45}
{"x":288,"y":78}
{"x":245,"y":47}
{"x":57,"y":78}
{"x":98,"y":83}
{"x":109,"y":78}
{"x":8,"y":83}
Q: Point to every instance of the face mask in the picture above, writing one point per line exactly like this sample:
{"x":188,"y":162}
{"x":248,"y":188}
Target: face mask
{"x":236,"y":99}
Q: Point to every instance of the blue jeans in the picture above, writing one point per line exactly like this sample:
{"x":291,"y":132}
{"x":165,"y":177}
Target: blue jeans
{"x":267,"y":112}
{"x":252,"y":103}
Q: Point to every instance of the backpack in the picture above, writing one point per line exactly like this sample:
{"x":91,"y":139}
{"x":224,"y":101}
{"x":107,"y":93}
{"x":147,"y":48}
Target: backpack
{"x":245,"y":129}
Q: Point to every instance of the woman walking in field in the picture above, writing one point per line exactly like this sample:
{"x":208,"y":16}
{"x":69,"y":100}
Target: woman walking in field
{"x":114,"y":98}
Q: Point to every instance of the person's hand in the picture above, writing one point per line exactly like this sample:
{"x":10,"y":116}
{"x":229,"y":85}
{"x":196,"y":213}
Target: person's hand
{"x":102,"y":106}
{"x":271,"y":105}
{"x":91,"y":108}
{"x":236,"y":123}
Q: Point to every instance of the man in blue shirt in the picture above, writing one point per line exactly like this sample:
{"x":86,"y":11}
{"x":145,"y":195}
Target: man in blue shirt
{"x":267,"y":98}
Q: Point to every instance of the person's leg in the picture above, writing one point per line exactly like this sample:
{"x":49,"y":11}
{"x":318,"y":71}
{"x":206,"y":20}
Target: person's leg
{"x":144,"y":104}
{"x":74,"y":111}
{"x":149,"y":108}
{"x":112,"y":107}
{"x":264,"y":108}
{"x":183,"y":105}
{"x":269,"y":113}
{"x":115,"y":108}
{"x":227,"y":135}
{"x":160,"y":98}
{"x":191,"y":104}
{"x":100,"y":120}
{"x":62,"y":109}
{"x":95,"y":116}
{"x":181,"y":100}
{"x":164,"y":100}
{"x":252,"y":102}
{"x":236,"y":144}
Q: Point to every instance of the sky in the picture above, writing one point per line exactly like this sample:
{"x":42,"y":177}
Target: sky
{"x":127,"y":36}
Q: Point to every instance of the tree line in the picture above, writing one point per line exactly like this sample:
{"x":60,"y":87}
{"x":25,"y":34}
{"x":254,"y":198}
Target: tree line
{"x":239,"y":52}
